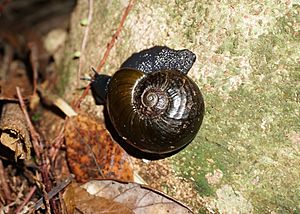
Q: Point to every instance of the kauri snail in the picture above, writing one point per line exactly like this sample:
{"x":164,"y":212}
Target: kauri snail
{"x":152,"y":103}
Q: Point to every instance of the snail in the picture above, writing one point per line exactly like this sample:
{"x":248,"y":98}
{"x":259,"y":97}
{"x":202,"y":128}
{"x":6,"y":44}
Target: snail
{"x":151,"y":102}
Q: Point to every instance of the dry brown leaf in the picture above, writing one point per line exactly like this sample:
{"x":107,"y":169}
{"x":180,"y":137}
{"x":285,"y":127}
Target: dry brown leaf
{"x":14,"y":132}
{"x":107,"y":196}
{"x":78,"y":200}
{"x":91,"y":152}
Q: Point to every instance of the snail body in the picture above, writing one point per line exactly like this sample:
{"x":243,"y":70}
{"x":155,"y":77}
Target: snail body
{"x":156,"y":111}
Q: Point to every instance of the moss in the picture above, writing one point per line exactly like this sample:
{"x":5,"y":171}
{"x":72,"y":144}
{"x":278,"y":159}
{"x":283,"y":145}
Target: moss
{"x":245,"y":127}
{"x":230,"y":45}
{"x":203,"y":187}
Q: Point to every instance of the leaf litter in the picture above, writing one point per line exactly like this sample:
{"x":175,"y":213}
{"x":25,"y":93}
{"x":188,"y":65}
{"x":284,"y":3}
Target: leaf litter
{"x":113,"y":196}
{"x":92,"y":153}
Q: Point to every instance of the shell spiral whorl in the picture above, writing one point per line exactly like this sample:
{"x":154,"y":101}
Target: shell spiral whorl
{"x":161,"y":111}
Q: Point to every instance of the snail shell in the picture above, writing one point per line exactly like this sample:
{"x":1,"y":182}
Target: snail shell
{"x":156,"y":111}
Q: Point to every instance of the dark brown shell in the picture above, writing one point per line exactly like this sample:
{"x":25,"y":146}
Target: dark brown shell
{"x":160,"y":112}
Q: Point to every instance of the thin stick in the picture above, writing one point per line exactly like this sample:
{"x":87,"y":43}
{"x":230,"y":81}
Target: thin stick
{"x":29,"y":195}
{"x":57,"y":143}
{"x":43,"y":159}
{"x":55,"y":190}
{"x":34,"y":135}
{"x":108,"y":49}
{"x":116,"y":35}
{"x":85,"y":92}
{"x":84,"y":40}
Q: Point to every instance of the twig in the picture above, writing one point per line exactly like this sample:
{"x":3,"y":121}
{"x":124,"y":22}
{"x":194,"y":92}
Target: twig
{"x":47,"y":185}
{"x":84,"y":40}
{"x":116,"y":35}
{"x":45,"y":200}
{"x":29,"y":195}
{"x":34,"y":135}
{"x":43,"y":159}
{"x":85,"y":92}
{"x":107,"y":51}
{"x":58,"y":141}
{"x":55,"y":190}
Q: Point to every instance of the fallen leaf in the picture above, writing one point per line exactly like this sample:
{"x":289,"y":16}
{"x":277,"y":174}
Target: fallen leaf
{"x":78,"y":200}
{"x":92,"y":153}
{"x":108,"y":196}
